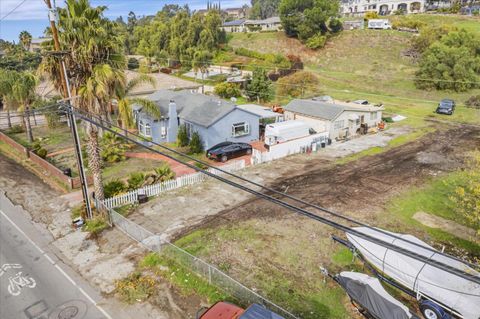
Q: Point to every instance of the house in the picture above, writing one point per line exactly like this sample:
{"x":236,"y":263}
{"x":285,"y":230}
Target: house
{"x":382,"y":7}
{"x":36,"y":44}
{"x":235,"y":13}
{"x":214,"y":119}
{"x":270,"y":24}
{"x":340,"y":120}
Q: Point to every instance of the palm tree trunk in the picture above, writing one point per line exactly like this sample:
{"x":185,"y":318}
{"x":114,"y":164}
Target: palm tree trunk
{"x":9,"y":120}
{"x":34,"y":118}
{"x":95,"y":161}
{"x":28,"y":127}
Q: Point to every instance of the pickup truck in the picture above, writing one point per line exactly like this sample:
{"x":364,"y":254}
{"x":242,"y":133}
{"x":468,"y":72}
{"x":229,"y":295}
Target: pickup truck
{"x":225,"y":310}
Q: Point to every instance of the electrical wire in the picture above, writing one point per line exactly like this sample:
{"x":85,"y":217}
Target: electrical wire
{"x":13,"y":10}
{"x":291,"y":207}
{"x":268,"y":189}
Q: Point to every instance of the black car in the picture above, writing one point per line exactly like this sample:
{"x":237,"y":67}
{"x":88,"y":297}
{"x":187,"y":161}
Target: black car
{"x":446,"y":106}
{"x":224,"y":151}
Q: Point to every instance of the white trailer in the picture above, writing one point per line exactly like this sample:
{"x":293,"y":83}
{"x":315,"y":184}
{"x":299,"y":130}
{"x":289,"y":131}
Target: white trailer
{"x":383,"y":24}
{"x":285,"y":131}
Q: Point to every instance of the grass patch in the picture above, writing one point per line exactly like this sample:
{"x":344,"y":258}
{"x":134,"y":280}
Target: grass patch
{"x":431,"y":198}
{"x":126,"y":209}
{"x":96,"y":225}
{"x":137,"y":287}
{"x":343,"y":257}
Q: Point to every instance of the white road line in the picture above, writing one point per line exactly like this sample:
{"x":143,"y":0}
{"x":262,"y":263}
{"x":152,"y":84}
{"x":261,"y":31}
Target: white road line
{"x":57,"y":266}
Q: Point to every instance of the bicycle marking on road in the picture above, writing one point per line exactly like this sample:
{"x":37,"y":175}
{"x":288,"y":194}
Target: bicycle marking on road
{"x":17,"y":281}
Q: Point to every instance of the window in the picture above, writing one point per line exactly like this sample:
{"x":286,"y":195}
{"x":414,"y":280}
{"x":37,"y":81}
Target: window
{"x":338,"y":124}
{"x":240,"y":129}
{"x":141,"y":127}
{"x":148,"y":130}
{"x":373,"y":116}
{"x":189,"y":128}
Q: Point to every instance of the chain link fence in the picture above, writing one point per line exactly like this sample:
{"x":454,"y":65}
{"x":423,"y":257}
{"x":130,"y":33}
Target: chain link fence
{"x":213,"y":275}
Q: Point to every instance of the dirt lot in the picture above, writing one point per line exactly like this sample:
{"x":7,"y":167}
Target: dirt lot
{"x":104,"y":260}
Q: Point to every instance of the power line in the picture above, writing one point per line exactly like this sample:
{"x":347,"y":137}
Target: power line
{"x":13,"y":10}
{"x":434,"y":263}
{"x":296,"y":199}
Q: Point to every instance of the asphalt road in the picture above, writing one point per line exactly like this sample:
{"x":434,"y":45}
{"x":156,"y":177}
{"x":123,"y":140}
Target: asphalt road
{"x":32,"y":284}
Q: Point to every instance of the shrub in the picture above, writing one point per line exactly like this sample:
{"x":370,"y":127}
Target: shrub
{"x":113,"y":148}
{"x":182,"y":136}
{"x":96,"y":225}
{"x":227,"y":90}
{"x":201,"y":166}
{"x":53,"y":119}
{"x":16,"y":129}
{"x":195,"y":145}
{"x":297,"y":84}
{"x":370,"y":15}
{"x":473,"y":102}
{"x":133,"y":64}
{"x":335,"y":25}
{"x":164,"y":173}
{"x":42,"y":153}
{"x":430,"y":35}
{"x":136,"y":287}
{"x":135,"y":180}
{"x":260,"y":87}
{"x":113,"y":188}
{"x":316,"y":42}
{"x":409,"y":21}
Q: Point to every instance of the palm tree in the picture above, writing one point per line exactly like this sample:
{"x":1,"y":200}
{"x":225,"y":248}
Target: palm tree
{"x":24,"y":94}
{"x":25,"y":39}
{"x":7,"y":79}
{"x":95,"y":54}
{"x":125,"y":103}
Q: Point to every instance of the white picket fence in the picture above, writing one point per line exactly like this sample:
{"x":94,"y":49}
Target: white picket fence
{"x":156,"y":189}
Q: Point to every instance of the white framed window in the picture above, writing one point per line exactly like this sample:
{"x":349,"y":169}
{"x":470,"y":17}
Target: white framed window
{"x":141,"y":127}
{"x":240,"y":129}
{"x":163,"y":131}
{"x":373,"y":116}
{"x":337,"y":125}
{"x":148,"y":130}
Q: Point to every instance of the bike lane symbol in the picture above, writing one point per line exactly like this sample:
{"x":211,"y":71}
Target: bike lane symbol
{"x":17,"y":281}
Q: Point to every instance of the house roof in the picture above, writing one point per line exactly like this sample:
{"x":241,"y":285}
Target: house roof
{"x":265,"y":21}
{"x":39,"y":40}
{"x":262,"y":111}
{"x":323,"y":110}
{"x":192,"y":107}
{"x":234,"y":23}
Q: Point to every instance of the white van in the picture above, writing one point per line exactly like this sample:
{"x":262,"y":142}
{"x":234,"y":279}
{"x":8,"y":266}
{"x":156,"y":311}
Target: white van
{"x":383,"y":24}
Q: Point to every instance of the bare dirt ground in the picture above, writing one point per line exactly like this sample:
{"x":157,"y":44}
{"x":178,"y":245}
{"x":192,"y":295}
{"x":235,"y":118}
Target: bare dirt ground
{"x":111,"y":257}
{"x":185,"y":208}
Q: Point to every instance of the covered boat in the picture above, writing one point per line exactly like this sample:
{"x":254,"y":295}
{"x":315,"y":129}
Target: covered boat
{"x":369,"y":294}
{"x":455,"y":294}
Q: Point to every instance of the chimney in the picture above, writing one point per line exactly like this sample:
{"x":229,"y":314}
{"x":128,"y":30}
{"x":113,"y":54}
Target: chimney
{"x":172,"y":122}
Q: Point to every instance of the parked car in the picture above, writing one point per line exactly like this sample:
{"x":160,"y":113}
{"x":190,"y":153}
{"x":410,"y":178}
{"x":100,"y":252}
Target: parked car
{"x":225,"y":310}
{"x":224,"y":151}
{"x":446,"y":106}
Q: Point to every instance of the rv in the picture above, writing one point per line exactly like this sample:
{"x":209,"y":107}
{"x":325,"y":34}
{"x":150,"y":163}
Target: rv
{"x":383,"y":24}
{"x":285,"y":131}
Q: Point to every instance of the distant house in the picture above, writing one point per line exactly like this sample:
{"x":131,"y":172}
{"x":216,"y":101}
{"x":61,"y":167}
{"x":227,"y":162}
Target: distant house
{"x":235,"y":13}
{"x":339,"y":120}
{"x":382,"y":7}
{"x":36,"y":44}
{"x":242,"y":25}
{"x":214,"y":119}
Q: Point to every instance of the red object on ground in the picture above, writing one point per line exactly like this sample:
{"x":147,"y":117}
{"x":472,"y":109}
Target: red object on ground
{"x":222,"y":310}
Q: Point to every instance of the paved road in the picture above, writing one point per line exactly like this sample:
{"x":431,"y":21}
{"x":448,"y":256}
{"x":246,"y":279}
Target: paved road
{"x":32,"y":284}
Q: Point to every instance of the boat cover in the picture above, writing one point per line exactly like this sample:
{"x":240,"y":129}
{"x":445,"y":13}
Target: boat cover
{"x":453,"y":292}
{"x":370,"y":294}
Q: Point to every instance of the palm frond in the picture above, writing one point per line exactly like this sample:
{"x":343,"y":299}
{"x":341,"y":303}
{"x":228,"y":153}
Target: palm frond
{"x":140,"y":79}
{"x":148,"y":106}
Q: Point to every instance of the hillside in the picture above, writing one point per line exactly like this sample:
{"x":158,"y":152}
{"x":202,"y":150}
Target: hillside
{"x":368,"y":64}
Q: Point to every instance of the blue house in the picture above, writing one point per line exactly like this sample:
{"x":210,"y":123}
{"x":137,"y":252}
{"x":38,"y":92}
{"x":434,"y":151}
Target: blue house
{"x":214,"y":119}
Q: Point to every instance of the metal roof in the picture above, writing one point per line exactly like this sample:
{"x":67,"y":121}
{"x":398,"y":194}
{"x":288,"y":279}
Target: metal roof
{"x":234,"y":23}
{"x":262,"y":111}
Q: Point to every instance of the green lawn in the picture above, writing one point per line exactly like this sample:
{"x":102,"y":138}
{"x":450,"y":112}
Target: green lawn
{"x":431,"y":198}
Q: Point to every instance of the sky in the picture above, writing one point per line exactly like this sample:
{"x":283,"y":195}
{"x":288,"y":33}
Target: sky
{"x":32,"y":14}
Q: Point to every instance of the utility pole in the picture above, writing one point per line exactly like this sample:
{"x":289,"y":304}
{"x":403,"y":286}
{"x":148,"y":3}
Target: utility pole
{"x":52,"y":14}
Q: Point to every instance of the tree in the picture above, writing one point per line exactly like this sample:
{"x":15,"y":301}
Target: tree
{"x":262,"y":9}
{"x":453,"y":63}
{"x":297,"y":84}
{"x":227,"y":90}
{"x":95,"y":53}
{"x":195,"y":145}
{"x":7,"y":80}
{"x":25,"y":39}
{"x":466,"y":198}
{"x":260,"y":87}
{"x":201,"y":61}
{"x":113,"y":148}
{"x":24,"y":94}
{"x":306,"y":18}
{"x":182,"y":136}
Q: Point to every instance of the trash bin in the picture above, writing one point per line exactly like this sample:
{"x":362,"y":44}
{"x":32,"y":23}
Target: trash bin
{"x":324,"y":144}
{"x":142,"y":198}
{"x":67,"y":171}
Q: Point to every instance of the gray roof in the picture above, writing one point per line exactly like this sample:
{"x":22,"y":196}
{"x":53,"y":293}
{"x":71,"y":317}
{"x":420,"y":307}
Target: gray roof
{"x":323,"y":110}
{"x":234,"y":23}
{"x":196,"y":108}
